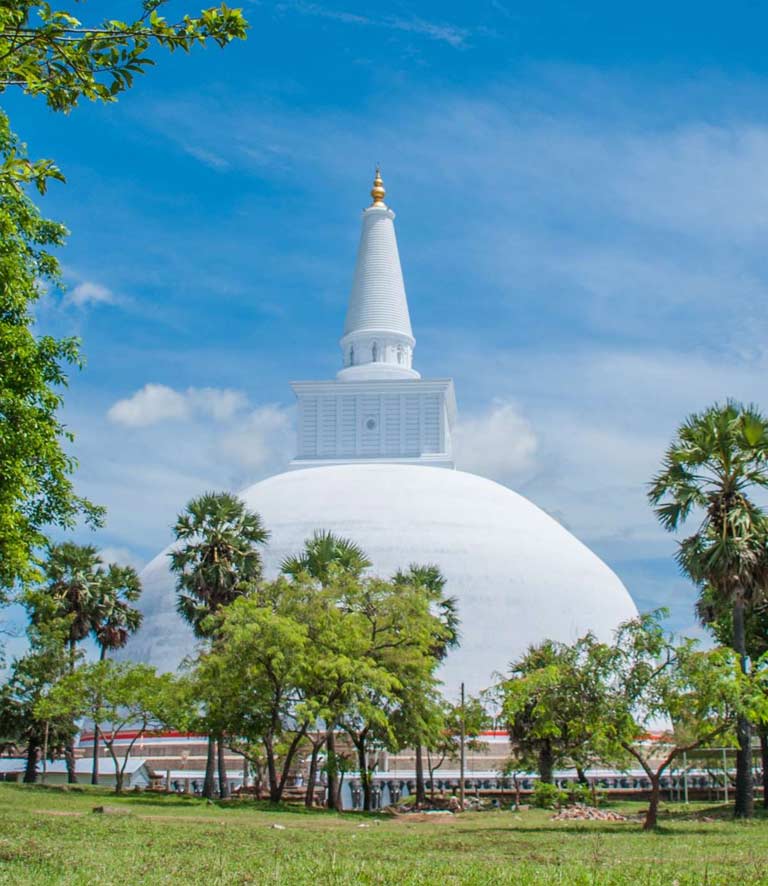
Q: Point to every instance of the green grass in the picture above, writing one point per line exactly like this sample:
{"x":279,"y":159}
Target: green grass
{"x":51,"y":836}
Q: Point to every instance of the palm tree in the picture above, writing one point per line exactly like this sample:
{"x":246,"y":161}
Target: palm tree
{"x":717,"y":457}
{"x":72,"y":574}
{"x":322,"y":554}
{"x":216,"y":561}
{"x":115,"y":619}
{"x":324,"y":551}
{"x":70,"y":591}
{"x":432,"y":581}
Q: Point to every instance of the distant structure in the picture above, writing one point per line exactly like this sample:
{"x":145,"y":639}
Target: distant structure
{"x":374,"y":463}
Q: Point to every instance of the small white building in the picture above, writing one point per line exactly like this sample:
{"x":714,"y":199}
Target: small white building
{"x":138,"y":774}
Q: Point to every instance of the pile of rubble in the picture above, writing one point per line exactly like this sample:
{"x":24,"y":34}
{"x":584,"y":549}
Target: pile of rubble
{"x":579,"y":812}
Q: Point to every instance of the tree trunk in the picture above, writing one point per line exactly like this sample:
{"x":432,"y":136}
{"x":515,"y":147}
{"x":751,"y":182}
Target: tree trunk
{"x":209,"y":768}
{"x":651,"y":816}
{"x":744,"y":799}
{"x":421,"y":790}
{"x":69,"y":748}
{"x":333,"y":776}
{"x":223,"y":781}
{"x":365,"y":777}
{"x":582,"y":776}
{"x":118,"y":780}
{"x":275,"y":788}
{"x":30,"y":772}
{"x":69,"y":757}
{"x":546,"y":763}
{"x":95,"y":756}
{"x":309,"y":797}
{"x":764,"y":762}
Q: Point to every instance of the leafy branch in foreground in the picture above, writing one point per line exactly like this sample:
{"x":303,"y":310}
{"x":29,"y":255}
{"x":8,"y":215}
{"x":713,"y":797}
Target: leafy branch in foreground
{"x":49,"y":52}
{"x":36,"y":489}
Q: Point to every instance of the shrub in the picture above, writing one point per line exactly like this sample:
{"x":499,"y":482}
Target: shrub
{"x":584,"y":793}
{"x":547,"y":796}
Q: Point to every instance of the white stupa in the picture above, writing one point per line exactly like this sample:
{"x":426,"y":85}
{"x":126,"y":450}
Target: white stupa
{"x":374,"y":464}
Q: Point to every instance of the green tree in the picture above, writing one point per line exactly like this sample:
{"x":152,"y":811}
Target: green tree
{"x":291,"y":660}
{"x":70,"y":592}
{"x":549,"y":703}
{"x":30,"y":678}
{"x":216,"y":561}
{"x":422,"y":716}
{"x":117,"y":695}
{"x":36,"y":490}
{"x":402,"y":633}
{"x":652,"y":679}
{"x":47,"y":52}
{"x":114,"y":620}
{"x":445,"y":742}
{"x":717,"y":459}
{"x":325,"y":553}
{"x":716,"y":615}
{"x":324,"y":558}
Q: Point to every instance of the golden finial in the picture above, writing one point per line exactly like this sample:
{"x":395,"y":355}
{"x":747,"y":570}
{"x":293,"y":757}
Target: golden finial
{"x":378,"y":191}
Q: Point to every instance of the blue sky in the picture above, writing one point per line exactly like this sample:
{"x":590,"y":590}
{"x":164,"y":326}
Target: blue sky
{"x":582,"y":200}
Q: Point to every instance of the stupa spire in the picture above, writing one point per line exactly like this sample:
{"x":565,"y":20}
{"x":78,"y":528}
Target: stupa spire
{"x":378,"y":191}
{"x":378,"y":341}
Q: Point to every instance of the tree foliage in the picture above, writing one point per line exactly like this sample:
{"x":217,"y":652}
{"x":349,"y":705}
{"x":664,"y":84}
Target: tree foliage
{"x":217,"y":559}
{"x":701,"y":694}
{"x":297,"y":657}
{"x":711,"y":469}
{"x":324,"y":554}
{"x":549,"y":700}
{"x":93,"y":597}
{"x":645,"y":699}
{"x":49,"y":52}
{"x":35,"y":471}
{"x":114,"y":696}
{"x":30,"y":678}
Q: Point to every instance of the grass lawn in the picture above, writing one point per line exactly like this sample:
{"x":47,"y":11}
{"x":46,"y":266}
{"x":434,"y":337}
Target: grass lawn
{"x":48,"y":835}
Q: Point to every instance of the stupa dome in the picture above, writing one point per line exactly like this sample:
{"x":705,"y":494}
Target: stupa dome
{"x":518,"y":575}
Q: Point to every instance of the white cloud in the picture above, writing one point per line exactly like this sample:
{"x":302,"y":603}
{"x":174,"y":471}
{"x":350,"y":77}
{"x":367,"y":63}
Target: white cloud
{"x":264,"y":439}
{"x":156,"y":403}
{"x":90,"y":293}
{"x":443,"y":33}
{"x":209,"y":158}
{"x":152,"y":404}
{"x":145,"y":485}
{"x":218,"y":403}
{"x":499,"y":444}
{"x":123,"y":556}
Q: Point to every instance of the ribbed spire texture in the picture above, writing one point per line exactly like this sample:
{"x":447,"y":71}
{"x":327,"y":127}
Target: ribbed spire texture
{"x":378,"y":293}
